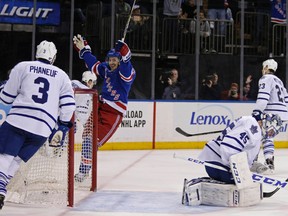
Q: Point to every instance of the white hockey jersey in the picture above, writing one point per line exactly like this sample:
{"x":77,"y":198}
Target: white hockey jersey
{"x":243,"y":134}
{"x":272,"y":96}
{"x":37,"y":91}
{"x":83,"y":103}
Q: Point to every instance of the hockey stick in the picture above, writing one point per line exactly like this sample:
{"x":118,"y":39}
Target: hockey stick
{"x":255,"y":176}
{"x":269,"y":194}
{"x":128,"y":22}
{"x":179,"y":130}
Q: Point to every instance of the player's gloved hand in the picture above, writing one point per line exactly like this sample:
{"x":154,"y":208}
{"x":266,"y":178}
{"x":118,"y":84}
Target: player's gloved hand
{"x":257,"y":114}
{"x":124,"y":50}
{"x":81,"y":45}
{"x":57,"y":137}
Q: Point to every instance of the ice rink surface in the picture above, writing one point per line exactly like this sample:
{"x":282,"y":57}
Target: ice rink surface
{"x":149,"y":183}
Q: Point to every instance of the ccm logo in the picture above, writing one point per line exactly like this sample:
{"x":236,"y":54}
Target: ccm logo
{"x":271,"y":181}
{"x":236,"y":173}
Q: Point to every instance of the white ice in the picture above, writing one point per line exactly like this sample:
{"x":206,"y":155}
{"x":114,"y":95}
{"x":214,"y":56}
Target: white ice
{"x":149,"y":183}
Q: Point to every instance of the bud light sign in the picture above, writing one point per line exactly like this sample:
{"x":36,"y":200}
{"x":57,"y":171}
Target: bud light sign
{"x":21,"y":12}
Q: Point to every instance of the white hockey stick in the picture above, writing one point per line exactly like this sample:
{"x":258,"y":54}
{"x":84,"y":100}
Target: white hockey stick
{"x":128,"y":22}
{"x":255,"y":176}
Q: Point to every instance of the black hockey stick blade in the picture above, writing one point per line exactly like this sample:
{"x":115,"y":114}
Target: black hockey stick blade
{"x":269,"y":194}
{"x":179,"y":130}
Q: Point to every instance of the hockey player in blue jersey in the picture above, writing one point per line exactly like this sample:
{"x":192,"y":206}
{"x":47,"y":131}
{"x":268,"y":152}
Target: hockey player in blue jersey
{"x":118,"y":75}
{"x":42,"y":102}
{"x":272,"y":98}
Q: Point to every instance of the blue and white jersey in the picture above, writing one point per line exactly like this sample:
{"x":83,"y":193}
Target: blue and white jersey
{"x":37,"y":91}
{"x":243,"y":134}
{"x":2,"y":84}
{"x":83,"y":103}
{"x":272,"y":96}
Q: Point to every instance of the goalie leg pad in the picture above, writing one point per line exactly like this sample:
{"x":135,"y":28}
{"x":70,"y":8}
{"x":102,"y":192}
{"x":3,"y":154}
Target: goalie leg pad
{"x":230,"y":195}
{"x":213,"y":193}
{"x":191,"y":193}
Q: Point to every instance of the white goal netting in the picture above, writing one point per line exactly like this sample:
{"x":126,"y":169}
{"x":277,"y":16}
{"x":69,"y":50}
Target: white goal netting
{"x":48,"y":177}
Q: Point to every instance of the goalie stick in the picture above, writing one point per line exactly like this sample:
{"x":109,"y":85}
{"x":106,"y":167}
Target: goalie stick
{"x":269,"y":194}
{"x":255,"y":176}
{"x":179,"y":130}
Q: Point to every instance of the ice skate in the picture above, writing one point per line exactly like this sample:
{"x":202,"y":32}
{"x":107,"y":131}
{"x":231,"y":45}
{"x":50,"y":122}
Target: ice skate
{"x":80,"y":177}
{"x":270,"y":164}
{"x":2,"y":197}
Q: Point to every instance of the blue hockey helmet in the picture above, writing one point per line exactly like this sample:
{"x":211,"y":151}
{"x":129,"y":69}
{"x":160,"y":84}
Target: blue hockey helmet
{"x":113,"y":53}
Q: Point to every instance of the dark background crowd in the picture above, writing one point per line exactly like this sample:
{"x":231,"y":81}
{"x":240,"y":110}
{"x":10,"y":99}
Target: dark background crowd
{"x":175,"y":76}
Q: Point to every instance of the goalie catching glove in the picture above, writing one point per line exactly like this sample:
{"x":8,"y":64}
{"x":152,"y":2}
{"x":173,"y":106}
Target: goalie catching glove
{"x":81,"y":45}
{"x":124,"y":50}
{"x":57,"y":137}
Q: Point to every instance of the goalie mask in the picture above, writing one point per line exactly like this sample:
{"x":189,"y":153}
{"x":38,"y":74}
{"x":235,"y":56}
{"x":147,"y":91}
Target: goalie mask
{"x":270,"y":64}
{"x":271,"y":125}
{"x":46,"y":50}
{"x":87,"y":76}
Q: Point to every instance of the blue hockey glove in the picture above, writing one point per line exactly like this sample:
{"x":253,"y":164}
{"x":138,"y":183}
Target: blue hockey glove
{"x":57,"y":137}
{"x":124,"y":50}
{"x":257,"y":114}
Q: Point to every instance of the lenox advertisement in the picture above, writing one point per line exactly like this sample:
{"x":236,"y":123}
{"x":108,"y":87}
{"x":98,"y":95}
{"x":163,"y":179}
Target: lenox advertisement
{"x":147,"y":125}
{"x":21,"y":12}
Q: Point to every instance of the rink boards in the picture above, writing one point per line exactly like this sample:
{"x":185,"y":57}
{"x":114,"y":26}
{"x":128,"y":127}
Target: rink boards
{"x":151,"y":124}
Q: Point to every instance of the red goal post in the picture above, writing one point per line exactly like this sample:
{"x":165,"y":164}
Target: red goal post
{"x":71,"y":158}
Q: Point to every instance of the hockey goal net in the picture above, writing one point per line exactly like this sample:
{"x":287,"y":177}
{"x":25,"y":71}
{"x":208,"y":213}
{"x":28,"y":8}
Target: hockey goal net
{"x":48,"y":177}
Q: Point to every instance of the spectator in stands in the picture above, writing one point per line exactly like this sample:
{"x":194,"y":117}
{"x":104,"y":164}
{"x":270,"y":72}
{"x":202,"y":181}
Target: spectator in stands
{"x":216,"y":11}
{"x":205,"y":30}
{"x":217,"y":86}
{"x":137,"y":20}
{"x":210,"y":89}
{"x":250,"y":90}
{"x":189,"y":7}
{"x":183,"y":22}
{"x":233,"y":92}
{"x":172,"y":91}
{"x":171,"y":8}
{"x":246,"y":92}
{"x":122,"y":7}
{"x":228,"y":12}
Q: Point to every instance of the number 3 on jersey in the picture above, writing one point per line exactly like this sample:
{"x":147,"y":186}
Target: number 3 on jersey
{"x":43,"y":90}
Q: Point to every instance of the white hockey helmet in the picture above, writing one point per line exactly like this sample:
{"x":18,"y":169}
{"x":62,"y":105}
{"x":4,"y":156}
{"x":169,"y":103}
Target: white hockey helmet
{"x":46,"y":50}
{"x":271,"y":125}
{"x":270,"y":64}
{"x":88,"y":75}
